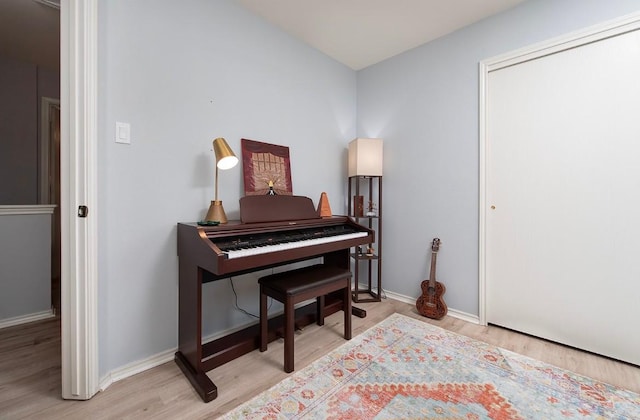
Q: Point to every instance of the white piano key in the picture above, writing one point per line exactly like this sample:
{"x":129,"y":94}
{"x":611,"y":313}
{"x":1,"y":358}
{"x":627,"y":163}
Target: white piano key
{"x":291,"y":245}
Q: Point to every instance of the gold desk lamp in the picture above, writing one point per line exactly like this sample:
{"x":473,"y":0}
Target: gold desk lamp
{"x":225,"y":159}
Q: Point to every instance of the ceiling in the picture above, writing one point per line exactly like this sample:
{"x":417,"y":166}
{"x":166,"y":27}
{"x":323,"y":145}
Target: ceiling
{"x":360,"y":33}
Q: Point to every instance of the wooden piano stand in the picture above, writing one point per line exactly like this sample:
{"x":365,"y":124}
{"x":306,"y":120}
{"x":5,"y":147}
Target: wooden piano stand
{"x":195,"y":358}
{"x":205,"y":255}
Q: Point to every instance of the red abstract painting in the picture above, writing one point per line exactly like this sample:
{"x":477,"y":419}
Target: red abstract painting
{"x":266,"y":168}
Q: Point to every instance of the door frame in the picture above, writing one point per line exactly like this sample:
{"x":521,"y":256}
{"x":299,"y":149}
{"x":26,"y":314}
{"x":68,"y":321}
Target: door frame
{"x":594,"y":33}
{"x":78,"y":175}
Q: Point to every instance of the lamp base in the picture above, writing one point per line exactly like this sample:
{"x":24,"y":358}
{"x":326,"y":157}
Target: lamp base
{"x":216,"y":212}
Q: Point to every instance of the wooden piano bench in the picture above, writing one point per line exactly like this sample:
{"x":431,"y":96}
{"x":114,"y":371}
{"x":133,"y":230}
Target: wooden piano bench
{"x":295,"y":286}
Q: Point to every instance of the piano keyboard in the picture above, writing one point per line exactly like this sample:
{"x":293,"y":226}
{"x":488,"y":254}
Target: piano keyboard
{"x":267,"y":248}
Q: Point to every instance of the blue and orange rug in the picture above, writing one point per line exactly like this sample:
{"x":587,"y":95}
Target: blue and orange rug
{"x":404,"y":368}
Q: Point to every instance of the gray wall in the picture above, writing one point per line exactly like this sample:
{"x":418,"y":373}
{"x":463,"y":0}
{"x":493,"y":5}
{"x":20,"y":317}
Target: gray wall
{"x":21,"y":87}
{"x":424,"y":104}
{"x":18,"y":133}
{"x":25,"y":265}
{"x":182,"y":74}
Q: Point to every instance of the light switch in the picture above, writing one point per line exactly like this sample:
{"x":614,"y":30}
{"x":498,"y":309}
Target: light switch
{"x":123,"y":133}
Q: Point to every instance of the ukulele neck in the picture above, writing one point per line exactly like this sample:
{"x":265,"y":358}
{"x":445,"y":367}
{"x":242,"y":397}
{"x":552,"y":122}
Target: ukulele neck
{"x":432,"y":272}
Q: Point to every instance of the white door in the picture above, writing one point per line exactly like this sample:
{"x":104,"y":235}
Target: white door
{"x":562,"y":256}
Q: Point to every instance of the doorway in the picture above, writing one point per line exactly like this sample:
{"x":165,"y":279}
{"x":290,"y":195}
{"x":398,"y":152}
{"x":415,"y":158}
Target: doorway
{"x":78,"y":173}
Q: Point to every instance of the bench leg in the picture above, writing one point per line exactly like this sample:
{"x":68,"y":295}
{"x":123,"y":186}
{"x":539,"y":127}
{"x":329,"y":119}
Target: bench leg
{"x":347,"y":311}
{"x":289,"y":322}
{"x":264,"y":333}
{"x":320,"y":310}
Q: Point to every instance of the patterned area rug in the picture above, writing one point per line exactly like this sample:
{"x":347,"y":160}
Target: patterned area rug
{"x":404,"y":368}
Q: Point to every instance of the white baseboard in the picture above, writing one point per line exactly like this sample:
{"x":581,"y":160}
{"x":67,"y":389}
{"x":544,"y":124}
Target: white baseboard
{"x":168,"y":355}
{"x":451,"y":312}
{"x":136,"y":367}
{"x":23,"y":319}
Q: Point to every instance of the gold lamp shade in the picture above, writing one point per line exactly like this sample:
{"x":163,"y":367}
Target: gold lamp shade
{"x":225,"y":159}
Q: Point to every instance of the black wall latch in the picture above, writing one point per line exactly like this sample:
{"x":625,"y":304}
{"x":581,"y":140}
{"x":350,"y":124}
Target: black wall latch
{"x":83,"y":211}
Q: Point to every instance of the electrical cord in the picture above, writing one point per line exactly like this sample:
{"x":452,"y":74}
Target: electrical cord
{"x":244,"y":311}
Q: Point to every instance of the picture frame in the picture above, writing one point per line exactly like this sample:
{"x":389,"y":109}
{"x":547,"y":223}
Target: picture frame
{"x":266,"y":168}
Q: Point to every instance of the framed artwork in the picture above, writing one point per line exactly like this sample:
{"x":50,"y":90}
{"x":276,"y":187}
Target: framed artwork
{"x":266,"y":168}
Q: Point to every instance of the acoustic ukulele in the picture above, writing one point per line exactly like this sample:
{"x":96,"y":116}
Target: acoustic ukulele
{"x":431,"y":304}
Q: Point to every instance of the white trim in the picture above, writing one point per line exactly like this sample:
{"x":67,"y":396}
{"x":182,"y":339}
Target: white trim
{"x":168,"y":355}
{"x":78,"y":157}
{"x":565,"y":42}
{"x":594,"y":33}
{"x":44,"y":141}
{"x":482,"y":192}
{"x":54,"y":4}
{"x":464,"y":316}
{"x":450,"y":312}
{"x":23,"y":319}
{"x":137,"y":367}
{"x":27,"y":209}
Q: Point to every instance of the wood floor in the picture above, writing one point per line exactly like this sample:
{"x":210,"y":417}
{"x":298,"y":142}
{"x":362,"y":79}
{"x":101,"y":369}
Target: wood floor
{"x":30,"y":370}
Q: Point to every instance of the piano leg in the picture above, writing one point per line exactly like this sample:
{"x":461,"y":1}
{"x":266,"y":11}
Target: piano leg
{"x":189,"y":354}
{"x":195,"y":358}
{"x":207,"y":390}
{"x":359,"y":312}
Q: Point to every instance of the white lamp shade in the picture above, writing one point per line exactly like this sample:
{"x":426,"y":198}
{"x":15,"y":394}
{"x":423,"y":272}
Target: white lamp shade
{"x":365,"y":157}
